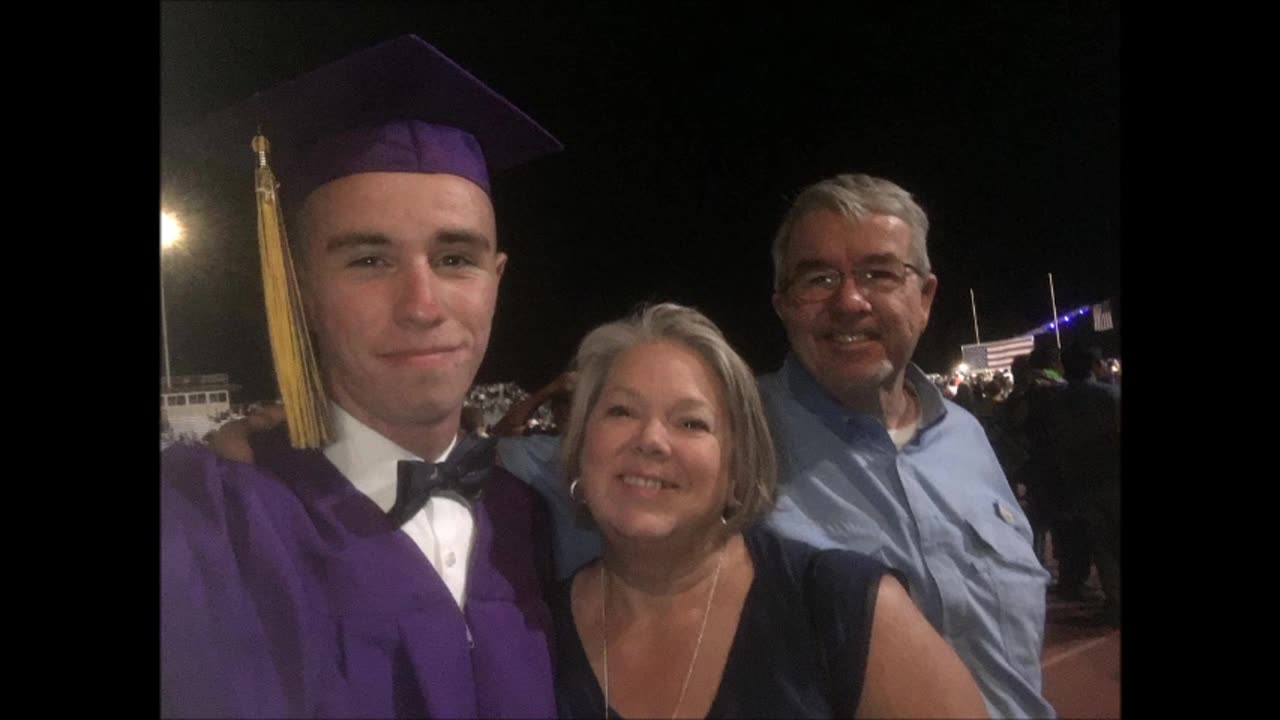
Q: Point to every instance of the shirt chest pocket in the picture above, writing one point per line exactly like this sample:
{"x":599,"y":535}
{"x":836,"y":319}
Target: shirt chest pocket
{"x":1005,"y":559}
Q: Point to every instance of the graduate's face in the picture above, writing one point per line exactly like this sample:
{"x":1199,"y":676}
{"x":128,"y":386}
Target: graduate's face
{"x":401,"y":275}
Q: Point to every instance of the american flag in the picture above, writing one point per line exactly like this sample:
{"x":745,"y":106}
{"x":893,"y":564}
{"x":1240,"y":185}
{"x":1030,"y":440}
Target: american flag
{"x":1102,"y":317}
{"x":997,"y":355}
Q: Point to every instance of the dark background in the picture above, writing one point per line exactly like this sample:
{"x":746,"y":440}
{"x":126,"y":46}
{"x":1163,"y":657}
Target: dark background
{"x":686,"y":131}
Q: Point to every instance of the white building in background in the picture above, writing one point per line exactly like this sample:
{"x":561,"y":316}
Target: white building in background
{"x":193,"y":405}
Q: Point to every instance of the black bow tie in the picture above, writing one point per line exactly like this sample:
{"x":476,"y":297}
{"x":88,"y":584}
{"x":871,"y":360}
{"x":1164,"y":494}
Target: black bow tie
{"x":464,"y":473}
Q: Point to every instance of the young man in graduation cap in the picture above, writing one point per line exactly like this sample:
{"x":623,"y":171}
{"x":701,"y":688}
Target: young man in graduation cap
{"x":373,"y":563}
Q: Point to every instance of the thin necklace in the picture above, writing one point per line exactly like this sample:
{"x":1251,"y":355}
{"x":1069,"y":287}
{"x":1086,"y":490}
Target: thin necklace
{"x":604,"y":621}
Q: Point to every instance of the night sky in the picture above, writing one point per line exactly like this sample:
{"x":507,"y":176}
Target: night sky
{"x":686,"y":133}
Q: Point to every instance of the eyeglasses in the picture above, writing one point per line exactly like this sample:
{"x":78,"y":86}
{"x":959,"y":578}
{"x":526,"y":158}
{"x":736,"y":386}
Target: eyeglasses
{"x":820,"y":283}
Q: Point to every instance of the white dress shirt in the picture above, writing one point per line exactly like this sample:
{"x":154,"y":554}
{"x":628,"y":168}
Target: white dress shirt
{"x":443,"y":529}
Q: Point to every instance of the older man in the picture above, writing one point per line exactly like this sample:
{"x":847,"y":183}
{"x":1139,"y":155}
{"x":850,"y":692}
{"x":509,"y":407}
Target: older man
{"x":872,"y":458}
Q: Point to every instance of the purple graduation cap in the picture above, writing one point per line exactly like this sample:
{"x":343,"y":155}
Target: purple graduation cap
{"x":401,"y":106}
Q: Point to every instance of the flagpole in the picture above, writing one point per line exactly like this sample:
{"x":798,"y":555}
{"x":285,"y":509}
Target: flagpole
{"x":976,"y":337}
{"x":1054,"y":300}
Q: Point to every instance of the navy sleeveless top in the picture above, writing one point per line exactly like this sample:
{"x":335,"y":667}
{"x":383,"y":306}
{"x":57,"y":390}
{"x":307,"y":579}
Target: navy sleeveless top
{"x":801,"y":645}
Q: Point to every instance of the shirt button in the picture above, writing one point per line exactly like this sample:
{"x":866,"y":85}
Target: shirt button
{"x":450,"y":559}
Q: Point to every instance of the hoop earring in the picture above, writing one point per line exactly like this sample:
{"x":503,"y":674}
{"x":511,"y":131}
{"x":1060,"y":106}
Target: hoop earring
{"x":573,"y":487}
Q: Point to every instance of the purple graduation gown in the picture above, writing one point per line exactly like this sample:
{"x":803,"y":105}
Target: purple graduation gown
{"x":285,"y":592}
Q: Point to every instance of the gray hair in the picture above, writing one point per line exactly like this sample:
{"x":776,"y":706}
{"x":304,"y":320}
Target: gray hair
{"x":752,"y":465}
{"x":855,"y":197}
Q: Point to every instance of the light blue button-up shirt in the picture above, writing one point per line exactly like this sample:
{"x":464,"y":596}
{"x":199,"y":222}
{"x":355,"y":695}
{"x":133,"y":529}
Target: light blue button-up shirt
{"x":939,"y":510}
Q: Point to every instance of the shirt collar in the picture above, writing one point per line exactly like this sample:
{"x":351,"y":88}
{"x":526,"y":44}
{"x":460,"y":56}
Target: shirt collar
{"x":367,"y":458}
{"x":809,"y":393}
{"x":932,"y":408}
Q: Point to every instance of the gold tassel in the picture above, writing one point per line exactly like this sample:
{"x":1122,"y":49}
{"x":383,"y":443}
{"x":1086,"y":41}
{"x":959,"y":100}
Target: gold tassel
{"x":306,"y":405}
